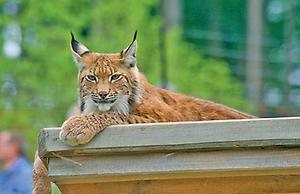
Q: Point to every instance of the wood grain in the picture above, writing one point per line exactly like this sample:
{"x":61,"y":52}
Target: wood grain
{"x":232,"y":185}
{"x":232,"y":156}
{"x":175,"y":165}
{"x":180,"y":136}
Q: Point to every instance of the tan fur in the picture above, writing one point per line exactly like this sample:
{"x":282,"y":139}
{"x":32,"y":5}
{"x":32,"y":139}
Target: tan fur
{"x":40,"y":179}
{"x":155,"y":105}
{"x":145,"y":102}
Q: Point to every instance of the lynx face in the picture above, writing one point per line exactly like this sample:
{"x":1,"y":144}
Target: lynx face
{"x":107,"y":82}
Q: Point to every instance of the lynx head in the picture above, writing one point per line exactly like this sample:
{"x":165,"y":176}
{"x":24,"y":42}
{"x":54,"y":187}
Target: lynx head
{"x":107,"y":82}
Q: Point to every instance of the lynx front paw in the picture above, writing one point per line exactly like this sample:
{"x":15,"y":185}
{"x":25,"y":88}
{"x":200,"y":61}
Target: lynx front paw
{"x":76,"y":130}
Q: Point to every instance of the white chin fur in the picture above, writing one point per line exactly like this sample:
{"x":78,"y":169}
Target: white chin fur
{"x":104,"y":106}
{"x":121,"y":106}
{"x":90,"y":107}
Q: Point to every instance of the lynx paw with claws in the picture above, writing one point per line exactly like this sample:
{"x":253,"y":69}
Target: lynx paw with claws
{"x":76,"y":131}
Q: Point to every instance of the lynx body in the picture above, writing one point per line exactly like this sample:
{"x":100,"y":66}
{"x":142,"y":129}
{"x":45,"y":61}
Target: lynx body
{"x":113,"y":91}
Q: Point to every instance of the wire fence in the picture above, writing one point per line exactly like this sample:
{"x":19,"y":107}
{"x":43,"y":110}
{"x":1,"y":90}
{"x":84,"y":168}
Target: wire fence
{"x":220,"y":29}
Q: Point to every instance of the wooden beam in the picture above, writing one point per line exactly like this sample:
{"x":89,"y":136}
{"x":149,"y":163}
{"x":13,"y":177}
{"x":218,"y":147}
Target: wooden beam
{"x":231,"y":156}
{"x":220,"y":185}
{"x":213,"y":135}
{"x":154,"y":166}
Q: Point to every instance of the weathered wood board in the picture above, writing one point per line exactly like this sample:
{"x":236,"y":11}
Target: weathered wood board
{"x":220,"y":185}
{"x":232,"y":156}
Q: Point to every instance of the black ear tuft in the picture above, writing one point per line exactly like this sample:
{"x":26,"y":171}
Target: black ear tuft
{"x":74,"y":43}
{"x":77,"y":47}
{"x":135,"y":35}
{"x":72,"y":36}
{"x":134,"y":39}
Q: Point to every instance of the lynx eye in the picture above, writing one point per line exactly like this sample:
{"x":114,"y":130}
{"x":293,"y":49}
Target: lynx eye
{"x":115,"y":77}
{"x":91,"y":78}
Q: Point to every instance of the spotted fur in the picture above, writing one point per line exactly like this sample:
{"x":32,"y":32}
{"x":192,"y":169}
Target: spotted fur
{"x":110,"y":78}
{"x":112,"y":84}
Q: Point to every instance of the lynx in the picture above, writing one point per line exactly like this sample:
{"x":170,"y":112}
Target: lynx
{"x":112,"y":91}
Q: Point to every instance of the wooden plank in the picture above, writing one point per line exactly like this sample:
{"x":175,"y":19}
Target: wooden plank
{"x":167,"y":137}
{"x":176,"y":165}
{"x":232,"y":156}
{"x":232,"y":185}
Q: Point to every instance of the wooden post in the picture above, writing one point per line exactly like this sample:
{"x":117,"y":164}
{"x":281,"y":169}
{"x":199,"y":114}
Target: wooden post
{"x":162,"y":46}
{"x":232,"y":156}
{"x":254,"y":67}
{"x":289,"y":44}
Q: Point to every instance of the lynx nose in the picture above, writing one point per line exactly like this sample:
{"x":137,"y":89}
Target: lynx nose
{"x":102,"y":94}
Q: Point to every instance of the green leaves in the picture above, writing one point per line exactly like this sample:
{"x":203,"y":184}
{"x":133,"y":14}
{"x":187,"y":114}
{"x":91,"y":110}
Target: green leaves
{"x":193,"y":74}
{"x":45,"y":76}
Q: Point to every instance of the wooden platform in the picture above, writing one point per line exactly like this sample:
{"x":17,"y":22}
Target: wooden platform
{"x":237,"y":156}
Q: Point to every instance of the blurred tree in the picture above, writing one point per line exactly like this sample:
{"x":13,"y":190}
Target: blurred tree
{"x":45,"y":76}
{"x":207,"y":78}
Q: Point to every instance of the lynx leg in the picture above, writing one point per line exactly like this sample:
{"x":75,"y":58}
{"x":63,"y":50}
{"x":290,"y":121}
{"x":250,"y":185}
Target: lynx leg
{"x":40,"y":179}
{"x":81,"y":129}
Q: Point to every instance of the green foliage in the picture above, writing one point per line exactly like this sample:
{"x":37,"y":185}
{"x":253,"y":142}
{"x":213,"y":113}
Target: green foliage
{"x":45,"y":75}
{"x":54,"y":189}
{"x":202,"y":77}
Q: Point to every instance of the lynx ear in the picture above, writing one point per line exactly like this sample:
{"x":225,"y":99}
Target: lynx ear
{"x":129,"y":54}
{"x":77,"y":49}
